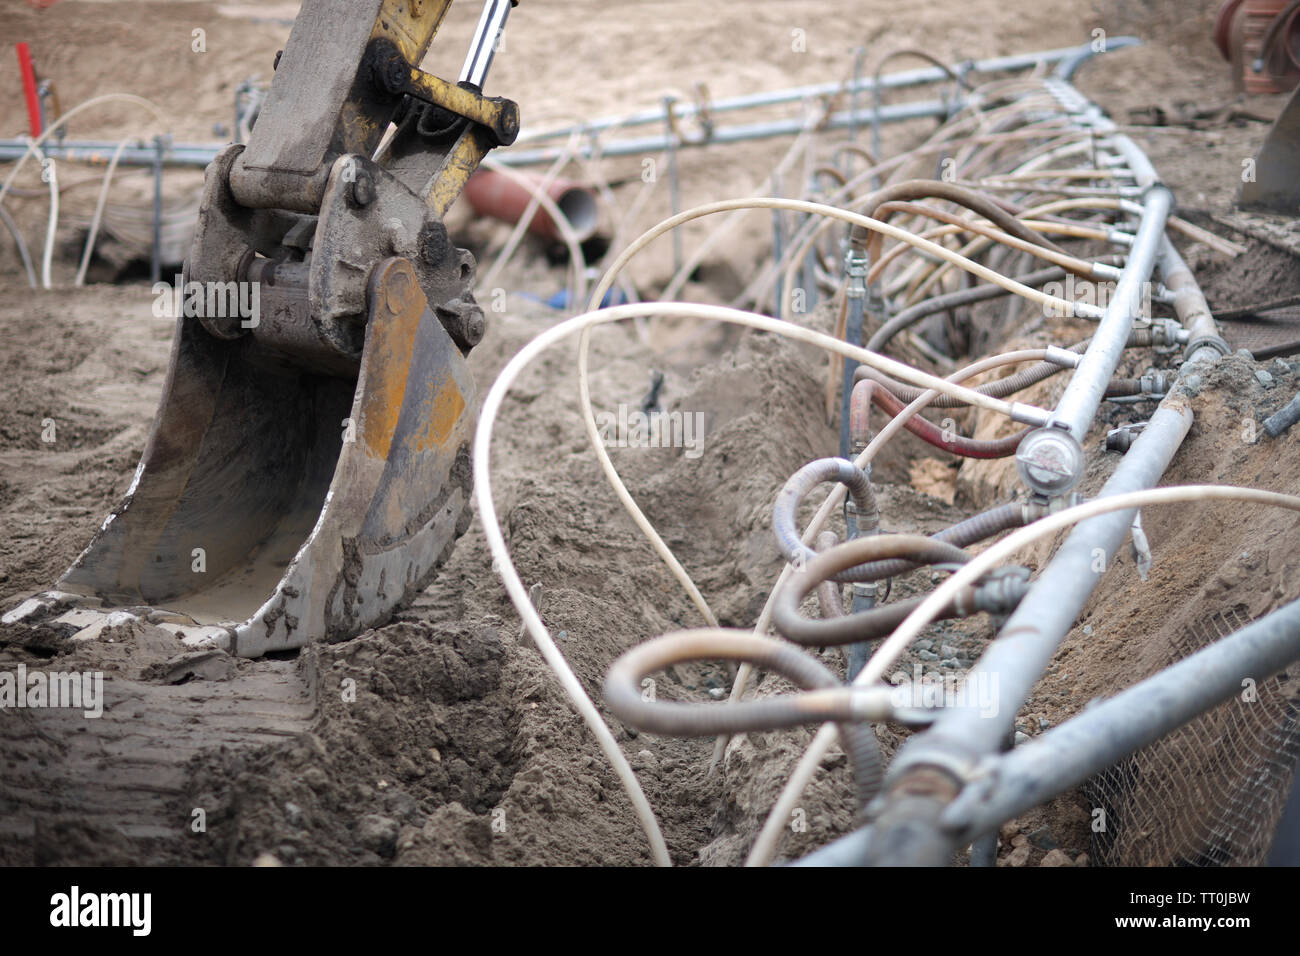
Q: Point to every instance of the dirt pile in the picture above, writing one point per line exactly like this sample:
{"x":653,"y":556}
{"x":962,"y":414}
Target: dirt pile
{"x":441,"y":737}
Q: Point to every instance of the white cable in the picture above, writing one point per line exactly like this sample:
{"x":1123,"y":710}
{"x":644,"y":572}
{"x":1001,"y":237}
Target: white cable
{"x":496,"y":540}
{"x":99,"y":214}
{"x":93,"y":101}
{"x":51,"y":175}
{"x":576,"y":259}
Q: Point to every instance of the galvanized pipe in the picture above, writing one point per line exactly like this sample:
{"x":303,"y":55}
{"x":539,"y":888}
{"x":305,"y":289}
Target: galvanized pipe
{"x":1102,"y":735}
{"x":1026,"y":643}
{"x":722,"y":135}
{"x":1204,"y":342}
{"x":932,"y":769}
{"x":98,"y":152}
{"x":1078,"y":406}
{"x":1073,"y":56}
{"x":1109,"y":731}
{"x":943,"y":767}
{"x":199,"y":155}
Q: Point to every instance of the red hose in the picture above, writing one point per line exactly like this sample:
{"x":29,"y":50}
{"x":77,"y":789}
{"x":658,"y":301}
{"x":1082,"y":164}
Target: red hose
{"x":29,"y":88}
{"x":868,"y":391}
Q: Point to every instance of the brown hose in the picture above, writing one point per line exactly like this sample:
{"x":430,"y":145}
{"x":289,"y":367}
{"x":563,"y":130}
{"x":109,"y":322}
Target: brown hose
{"x":624,"y":696}
{"x":868,"y":391}
{"x":885,"y":211}
{"x":867,"y":624}
{"x":1000,"y":213}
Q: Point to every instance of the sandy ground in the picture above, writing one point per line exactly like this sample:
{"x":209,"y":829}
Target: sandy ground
{"x":459,"y":746}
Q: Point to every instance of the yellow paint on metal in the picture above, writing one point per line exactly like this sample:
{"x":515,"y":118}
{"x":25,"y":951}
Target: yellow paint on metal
{"x":482,"y":110}
{"x":410,"y":24}
{"x":456,"y":169}
{"x":440,"y":415}
{"x":391,"y":339}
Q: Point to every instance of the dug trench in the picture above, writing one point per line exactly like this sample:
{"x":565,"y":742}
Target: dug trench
{"x":442,"y":738}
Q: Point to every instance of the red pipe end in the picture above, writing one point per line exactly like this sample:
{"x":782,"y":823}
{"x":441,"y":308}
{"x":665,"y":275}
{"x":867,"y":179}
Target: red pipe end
{"x":29,"y":88}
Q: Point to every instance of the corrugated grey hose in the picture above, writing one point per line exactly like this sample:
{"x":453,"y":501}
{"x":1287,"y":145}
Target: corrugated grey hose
{"x":625,"y":698}
{"x":797,"y":488}
{"x":862,"y":625}
{"x":963,"y":534}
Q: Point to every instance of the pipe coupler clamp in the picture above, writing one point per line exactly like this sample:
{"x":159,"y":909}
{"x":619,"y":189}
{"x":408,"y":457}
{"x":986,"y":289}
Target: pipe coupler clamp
{"x":856,"y":264}
{"x":999,"y":593}
{"x":1215,"y":342}
{"x":1062,"y":357}
{"x":1038,"y":507}
{"x":1121,"y":439}
{"x":1164,"y":335}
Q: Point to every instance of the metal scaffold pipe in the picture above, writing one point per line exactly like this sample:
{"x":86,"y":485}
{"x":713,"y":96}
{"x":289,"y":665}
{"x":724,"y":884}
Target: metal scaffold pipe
{"x":1066,"y":59}
{"x":939,"y":772}
{"x":1101,"y":736}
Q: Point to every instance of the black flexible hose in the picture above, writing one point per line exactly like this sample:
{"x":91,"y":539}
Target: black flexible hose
{"x":953,"y":300}
{"x":962,"y":535}
{"x":864,"y":625}
{"x":625,"y":698}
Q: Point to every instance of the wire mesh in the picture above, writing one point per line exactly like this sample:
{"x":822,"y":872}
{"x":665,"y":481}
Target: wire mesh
{"x":1212,"y":792}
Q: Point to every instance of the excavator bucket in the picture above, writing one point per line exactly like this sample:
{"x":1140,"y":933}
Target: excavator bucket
{"x":275,"y":506}
{"x":336,"y":497}
{"x":1275,"y":186}
{"x":309,"y":465}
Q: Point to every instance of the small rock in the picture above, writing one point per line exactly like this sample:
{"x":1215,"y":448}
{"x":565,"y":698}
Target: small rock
{"x":287,"y":852}
{"x":378,"y":833}
{"x":950,"y":663}
{"x":1019,"y":856}
{"x":1019,"y":840}
{"x":924,"y":645}
{"x":266,"y":859}
{"x":717,"y":693}
{"x":1043,"y":839}
{"x":1009,"y":831}
{"x":927,"y":655}
{"x":1081,"y":860}
{"x":1264,"y":378}
{"x":1192,"y":383}
{"x":293,"y":813}
{"x":948,"y":651}
{"x":315,"y":778}
{"x":1043,"y":723}
{"x":1056,"y":858}
{"x":1021,"y":737}
{"x":1280,"y":367}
